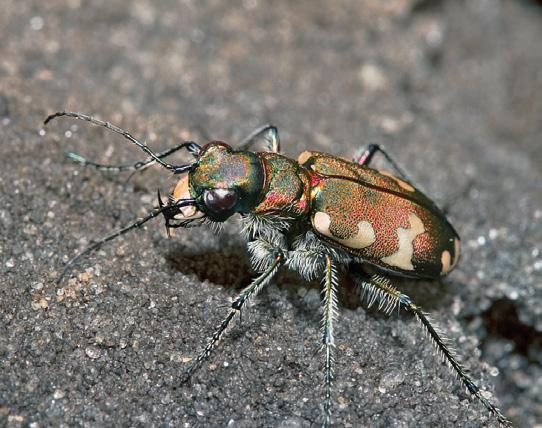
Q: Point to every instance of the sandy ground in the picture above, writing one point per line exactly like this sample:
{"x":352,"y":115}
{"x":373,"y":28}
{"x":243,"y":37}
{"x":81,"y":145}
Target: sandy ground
{"x":452,"y":88}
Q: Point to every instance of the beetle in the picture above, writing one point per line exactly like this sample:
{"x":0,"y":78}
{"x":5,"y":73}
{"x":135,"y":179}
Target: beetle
{"x":311,"y":215}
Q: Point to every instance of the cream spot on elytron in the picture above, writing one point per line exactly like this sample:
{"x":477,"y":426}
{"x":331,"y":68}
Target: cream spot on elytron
{"x":402,"y":258}
{"x":403,"y":184}
{"x":363,"y":238}
{"x":446,"y":261}
{"x":457,"y":251}
{"x":304,"y":157}
{"x":321,"y":222}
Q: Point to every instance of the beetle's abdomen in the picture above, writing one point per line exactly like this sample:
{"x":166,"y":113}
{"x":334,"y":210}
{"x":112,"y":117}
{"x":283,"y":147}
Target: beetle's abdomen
{"x":383,"y":225}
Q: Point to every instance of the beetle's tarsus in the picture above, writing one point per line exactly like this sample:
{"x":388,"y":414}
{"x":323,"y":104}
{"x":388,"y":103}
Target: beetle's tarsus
{"x":185,"y":378}
{"x":96,"y":245}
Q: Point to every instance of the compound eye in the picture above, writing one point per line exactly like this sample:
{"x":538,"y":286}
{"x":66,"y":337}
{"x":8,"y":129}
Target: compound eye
{"x":220,"y":200}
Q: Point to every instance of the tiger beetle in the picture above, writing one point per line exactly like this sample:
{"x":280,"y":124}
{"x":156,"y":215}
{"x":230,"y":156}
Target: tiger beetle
{"x":312,"y":216}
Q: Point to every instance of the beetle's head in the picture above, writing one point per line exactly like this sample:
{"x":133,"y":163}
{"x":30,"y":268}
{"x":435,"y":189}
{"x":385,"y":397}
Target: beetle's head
{"x":221,"y":182}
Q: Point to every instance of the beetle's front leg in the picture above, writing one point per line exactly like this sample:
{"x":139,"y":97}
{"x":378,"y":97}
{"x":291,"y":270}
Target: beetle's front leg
{"x":236,"y":307}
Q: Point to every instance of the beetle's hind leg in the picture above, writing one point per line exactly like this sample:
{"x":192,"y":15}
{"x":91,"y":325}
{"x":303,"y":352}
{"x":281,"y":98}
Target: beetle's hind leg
{"x":377,"y":289}
{"x":249,"y":292}
{"x":367,"y":156}
{"x":269,"y":133}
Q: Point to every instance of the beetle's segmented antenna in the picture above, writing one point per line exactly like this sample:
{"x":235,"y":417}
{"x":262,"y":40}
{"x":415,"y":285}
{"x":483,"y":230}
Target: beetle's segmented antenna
{"x":122,"y":231}
{"x":175,"y":169}
{"x":377,"y":288}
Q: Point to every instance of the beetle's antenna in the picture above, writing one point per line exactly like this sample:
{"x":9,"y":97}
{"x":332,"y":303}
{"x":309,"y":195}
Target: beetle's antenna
{"x":122,"y":231}
{"x":175,"y":169}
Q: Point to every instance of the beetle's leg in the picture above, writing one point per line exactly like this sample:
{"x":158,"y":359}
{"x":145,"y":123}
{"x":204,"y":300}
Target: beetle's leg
{"x":136,"y":166}
{"x":368,"y":154}
{"x":379,"y":288}
{"x":236,"y":307}
{"x":328,"y":343}
{"x":268,"y":132}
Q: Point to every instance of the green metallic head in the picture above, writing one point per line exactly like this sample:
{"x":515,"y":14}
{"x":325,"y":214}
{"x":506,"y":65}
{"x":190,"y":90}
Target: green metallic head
{"x":222,"y":182}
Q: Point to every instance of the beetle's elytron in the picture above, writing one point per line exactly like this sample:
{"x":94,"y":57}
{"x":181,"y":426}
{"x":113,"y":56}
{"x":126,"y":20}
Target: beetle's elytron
{"x":312,"y":216}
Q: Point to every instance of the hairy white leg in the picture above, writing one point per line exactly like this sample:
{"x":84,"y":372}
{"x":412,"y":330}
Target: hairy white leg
{"x":379,"y":289}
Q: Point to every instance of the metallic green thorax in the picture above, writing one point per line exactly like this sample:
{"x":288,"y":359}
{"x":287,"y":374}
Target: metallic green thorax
{"x":221,"y":167}
{"x":264,"y":182}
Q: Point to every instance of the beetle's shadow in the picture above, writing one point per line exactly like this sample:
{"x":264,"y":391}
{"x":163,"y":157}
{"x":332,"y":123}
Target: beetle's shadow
{"x":230,"y":268}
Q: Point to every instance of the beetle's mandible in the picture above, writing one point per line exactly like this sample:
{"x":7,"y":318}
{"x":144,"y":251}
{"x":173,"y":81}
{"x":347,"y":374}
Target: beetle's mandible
{"x":312,"y":216}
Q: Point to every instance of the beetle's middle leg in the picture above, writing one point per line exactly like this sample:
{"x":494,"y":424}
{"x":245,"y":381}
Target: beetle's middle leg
{"x":269,"y":133}
{"x":308,"y":262}
{"x":377,"y":288}
{"x":236,"y":307}
{"x":328,"y":344}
